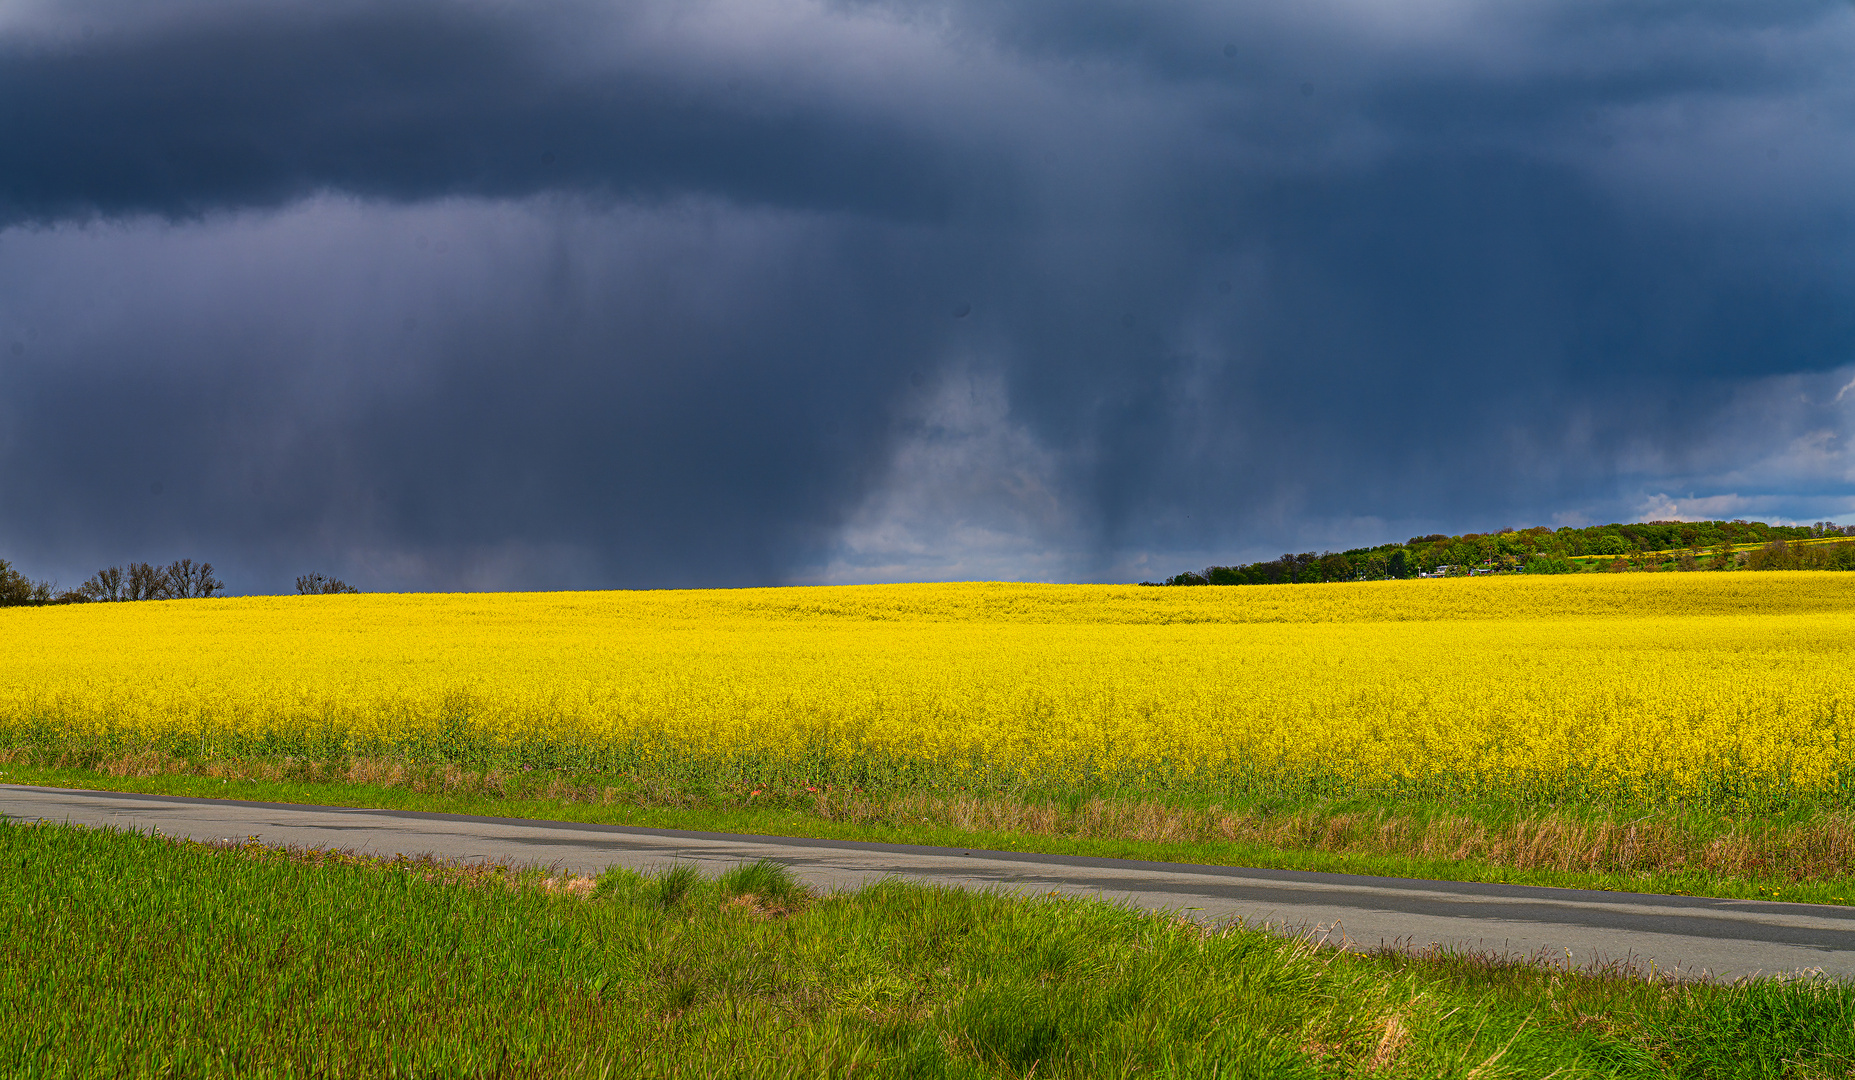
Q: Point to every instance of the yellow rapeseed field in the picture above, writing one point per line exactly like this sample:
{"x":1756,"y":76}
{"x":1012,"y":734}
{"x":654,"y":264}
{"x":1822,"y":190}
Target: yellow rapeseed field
{"x":1669,"y":685}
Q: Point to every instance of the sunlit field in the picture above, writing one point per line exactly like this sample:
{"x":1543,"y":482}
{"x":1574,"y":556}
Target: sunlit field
{"x":1727,"y":690}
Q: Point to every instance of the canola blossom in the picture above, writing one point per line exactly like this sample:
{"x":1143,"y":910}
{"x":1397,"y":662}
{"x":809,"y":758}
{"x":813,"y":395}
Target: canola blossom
{"x":1657,"y":686}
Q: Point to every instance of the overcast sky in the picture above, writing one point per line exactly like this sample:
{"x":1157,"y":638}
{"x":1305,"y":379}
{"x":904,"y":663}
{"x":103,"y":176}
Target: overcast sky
{"x":734,"y":292}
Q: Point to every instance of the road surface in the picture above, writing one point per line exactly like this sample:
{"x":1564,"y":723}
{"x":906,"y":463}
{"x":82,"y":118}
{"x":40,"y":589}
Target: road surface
{"x":1693,"y":936}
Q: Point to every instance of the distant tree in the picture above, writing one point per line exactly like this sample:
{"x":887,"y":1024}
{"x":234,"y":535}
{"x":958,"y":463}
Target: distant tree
{"x":187,"y":581}
{"x":1643,"y":546}
{"x":317,"y":585}
{"x":147,"y":582}
{"x":1778,"y":555}
{"x":14,"y":588}
{"x":182,"y":579}
{"x":139,"y":581}
{"x":104,"y":585}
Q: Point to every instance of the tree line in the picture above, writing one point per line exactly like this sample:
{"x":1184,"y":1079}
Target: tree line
{"x":182,"y":579}
{"x":1639,"y":546}
{"x":318,"y":585}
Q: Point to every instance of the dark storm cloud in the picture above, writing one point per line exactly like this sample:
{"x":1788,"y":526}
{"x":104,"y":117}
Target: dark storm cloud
{"x":257,"y":106}
{"x":470,"y":389}
{"x":460,"y":294}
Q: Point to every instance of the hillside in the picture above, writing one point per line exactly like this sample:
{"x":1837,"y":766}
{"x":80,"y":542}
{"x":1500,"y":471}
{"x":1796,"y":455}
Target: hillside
{"x":1641,"y":546}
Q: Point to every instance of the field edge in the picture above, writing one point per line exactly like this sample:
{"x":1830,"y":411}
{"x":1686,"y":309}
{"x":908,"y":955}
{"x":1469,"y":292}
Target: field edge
{"x":788,"y":822}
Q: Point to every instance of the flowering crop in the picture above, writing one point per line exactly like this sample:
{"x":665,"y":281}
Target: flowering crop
{"x":1643,"y":686}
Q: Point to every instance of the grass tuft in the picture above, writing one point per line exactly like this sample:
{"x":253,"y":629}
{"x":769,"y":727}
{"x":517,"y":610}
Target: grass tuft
{"x":674,"y":885}
{"x":769,"y":883}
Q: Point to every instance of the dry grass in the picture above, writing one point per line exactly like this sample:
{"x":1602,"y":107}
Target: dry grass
{"x":568,"y":885}
{"x":1817,"y":848}
{"x":756,"y":907}
{"x":1395,"y":1038}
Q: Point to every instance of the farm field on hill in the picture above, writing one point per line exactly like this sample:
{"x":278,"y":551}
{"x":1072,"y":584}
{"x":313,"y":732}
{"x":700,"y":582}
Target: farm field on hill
{"x":1592,"y":697}
{"x":1669,"y":688}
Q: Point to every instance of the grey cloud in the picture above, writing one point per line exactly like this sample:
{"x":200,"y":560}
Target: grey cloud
{"x":708,"y":273}
{"x":594,"y":386}
{"x":258,"y":106}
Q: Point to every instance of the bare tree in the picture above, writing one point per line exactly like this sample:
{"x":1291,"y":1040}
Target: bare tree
{"x":316,"y":584}
{"x":147,"y":583}
{"x":182,"y":579}
{"x":187,"y":581}
{"x":105,"y":585}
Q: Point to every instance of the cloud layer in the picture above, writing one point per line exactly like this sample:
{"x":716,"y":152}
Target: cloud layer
{"x":468,"y":295}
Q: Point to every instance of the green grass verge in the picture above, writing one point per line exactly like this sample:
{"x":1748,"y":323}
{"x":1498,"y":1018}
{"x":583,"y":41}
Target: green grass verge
{"x":788,"y":818}
{"x":128,"y":955}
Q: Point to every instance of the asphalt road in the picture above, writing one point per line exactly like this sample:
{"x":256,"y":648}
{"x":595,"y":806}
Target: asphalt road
{"x":1693,"y":936}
